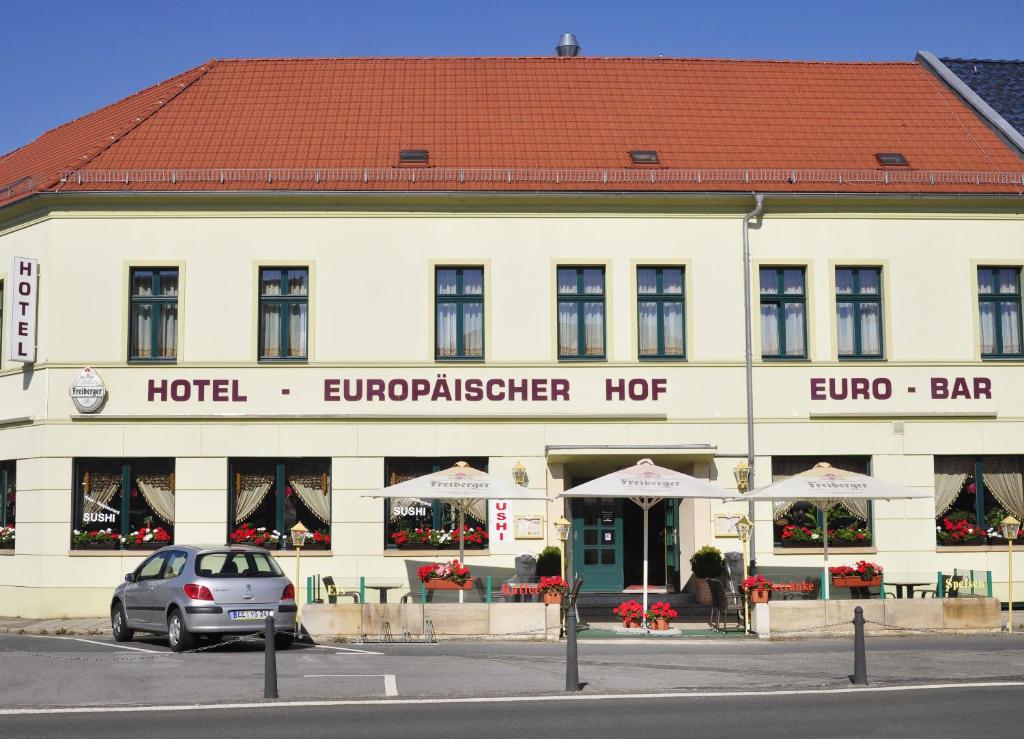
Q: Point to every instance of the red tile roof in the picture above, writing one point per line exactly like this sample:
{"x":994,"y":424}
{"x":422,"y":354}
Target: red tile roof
{"x":525,"y":124}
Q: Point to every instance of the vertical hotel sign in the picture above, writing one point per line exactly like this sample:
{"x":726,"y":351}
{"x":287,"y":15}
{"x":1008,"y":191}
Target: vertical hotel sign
{"x":21,"y":310}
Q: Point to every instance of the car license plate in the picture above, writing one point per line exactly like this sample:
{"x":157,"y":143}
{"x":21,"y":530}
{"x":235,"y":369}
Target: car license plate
{"x":250,"y":615}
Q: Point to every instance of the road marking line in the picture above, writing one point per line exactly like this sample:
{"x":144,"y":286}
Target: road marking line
{"x":93,"y":641}
{"x":348,"y":650}
{"x":505,"y":699}
{"x":390,"y":683}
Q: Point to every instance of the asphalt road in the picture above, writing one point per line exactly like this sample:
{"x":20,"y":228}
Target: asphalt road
{"x":905,"y":713}
{"x":94,"y":671}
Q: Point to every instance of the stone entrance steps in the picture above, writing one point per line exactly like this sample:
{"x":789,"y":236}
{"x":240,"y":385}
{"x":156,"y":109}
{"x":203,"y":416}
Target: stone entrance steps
{"x":598,"y":606}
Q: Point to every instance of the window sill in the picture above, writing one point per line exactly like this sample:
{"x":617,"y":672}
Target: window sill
{"x":1002,"y":358}
{"x":665,"y":358}
{"x":821,"y":550}
{"x":283,"y":360}
{"x":7,"y":552}
{"x":859,"y":358}
{"x":468,"y":360}
{"x":305,"y":552}
{"x":154,"y":360}
{"x":450,"y":553}
{"x":583,"y":359}
{"x":972,"y":548}
{"x":786,"y":359}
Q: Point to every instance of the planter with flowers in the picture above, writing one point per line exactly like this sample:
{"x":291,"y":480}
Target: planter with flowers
{"x":6,"y":537}
{"x":99,"y":539}
{"x":630,"y":612}
{"x":148,"y":537}
{"x":553,"y":589}
{"x":861,"y":575}
{"x":446,"y":576}
{"x":850,"y":537}
{"x":800,"y":536}
{"x":960,"y":529}
{"x":757,"y":588}
{"x":412,"y":538}
{"x":473,"y":538}
{"x":660,"y":615}
{"x":318,"y":539}
{"x":258,"y":537}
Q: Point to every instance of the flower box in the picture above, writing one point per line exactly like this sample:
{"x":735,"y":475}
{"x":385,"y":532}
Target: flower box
{"x":660,"y":624}
{"x":855,"y":582}
{"x":801,"y":544}
{"x":759,"y":596}
{"x":105,"y":545}
{"x":437,"y":583}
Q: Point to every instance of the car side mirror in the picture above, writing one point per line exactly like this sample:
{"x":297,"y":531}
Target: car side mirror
{"x":129,"y":577}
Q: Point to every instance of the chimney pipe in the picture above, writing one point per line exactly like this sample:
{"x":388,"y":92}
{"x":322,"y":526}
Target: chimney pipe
{"x":568,"y":45}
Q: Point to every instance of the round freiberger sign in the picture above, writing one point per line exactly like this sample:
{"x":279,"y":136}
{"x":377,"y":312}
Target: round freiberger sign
{"x":88,"y":391}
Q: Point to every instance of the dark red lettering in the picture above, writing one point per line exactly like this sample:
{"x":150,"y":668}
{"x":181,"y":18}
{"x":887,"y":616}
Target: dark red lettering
{"x":881,"y":388}
{"x":200,"y":386}
{"x":560,"y":390}
{"x":181,"y":390}
{"x":518,"y":388}
{"x":25,"y":268}
{"x":613,"y":387}
{"x":859,"y":389}
{"x":332,"y":390}
{"x":24,"y":288}
{"x":158,"y":389}
{"x":837,"y":394}
{"x":355,"y":395}
{"x":474,"y":389}
{"x":236,"y":394}
{"x":22,"y":328}
{"x":940,"y":388}
{"x":817,"y":388}
{"x":398,"y":389}
{"x":220,"y":391}
{"x":491,"y":394}
{"x":420,"y":388}
{"x":982,"y":388}
{"x":638,"y":389}
{"x":658,"y":387}
{"x":375,"y":389}
{"x":539,"y":389}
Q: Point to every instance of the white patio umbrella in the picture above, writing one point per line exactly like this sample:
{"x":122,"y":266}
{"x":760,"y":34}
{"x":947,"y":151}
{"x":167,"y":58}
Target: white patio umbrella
{"x":826,"y":487}
{"x":647,"y":484}
{"x":462,"y":486}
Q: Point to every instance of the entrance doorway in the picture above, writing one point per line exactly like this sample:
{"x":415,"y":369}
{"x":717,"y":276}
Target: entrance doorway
{"x":607,"y":544}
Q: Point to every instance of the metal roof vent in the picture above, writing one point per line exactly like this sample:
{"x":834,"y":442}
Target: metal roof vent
{"x":892,"y":159}
{"x":568,"y":45}
{"x":413,"y":156}
{"x":644,"y":156}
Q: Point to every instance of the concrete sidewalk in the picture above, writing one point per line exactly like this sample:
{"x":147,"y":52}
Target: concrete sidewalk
{"x":57,"y":626}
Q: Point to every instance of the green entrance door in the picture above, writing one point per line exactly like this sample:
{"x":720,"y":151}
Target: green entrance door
{"x":597,"y":543}
{"x":672,"y":544}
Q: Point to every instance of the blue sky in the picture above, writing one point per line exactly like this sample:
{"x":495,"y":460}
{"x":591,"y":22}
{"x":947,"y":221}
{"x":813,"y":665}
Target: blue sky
{"x":64,"y":59}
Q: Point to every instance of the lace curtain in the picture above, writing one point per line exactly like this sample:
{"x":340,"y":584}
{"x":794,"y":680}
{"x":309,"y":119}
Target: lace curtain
{"x":1003,"y":478}
{"x":99,"y":488}
{"x":950,"y":475}
{"x":313,"y":492}
{"x":158,"y":490}
{"x":250,"y":490}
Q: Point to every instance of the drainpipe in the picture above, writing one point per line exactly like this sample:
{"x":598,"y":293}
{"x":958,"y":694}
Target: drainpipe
{"x":752,"y":215}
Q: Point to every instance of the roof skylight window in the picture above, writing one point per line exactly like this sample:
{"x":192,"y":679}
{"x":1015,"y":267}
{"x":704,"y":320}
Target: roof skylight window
{"x":644,"y":156}
{"x":413,"y":156}
{"x":892,"y":159}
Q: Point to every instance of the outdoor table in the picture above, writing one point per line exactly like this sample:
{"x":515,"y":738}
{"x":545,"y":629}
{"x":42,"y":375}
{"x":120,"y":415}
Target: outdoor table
{"x":909,"y":586}
{"x":383,"y":588}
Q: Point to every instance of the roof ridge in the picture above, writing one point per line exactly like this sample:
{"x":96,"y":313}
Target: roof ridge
{"x":561,"y":60}
{"x":980,"y":59}
{"x":197,"y":74}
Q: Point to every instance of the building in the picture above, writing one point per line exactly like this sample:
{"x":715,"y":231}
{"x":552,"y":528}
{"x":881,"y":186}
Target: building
{"x":263,"y":288}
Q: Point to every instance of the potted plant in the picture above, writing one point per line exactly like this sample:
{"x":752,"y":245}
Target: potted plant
{"x":257,"y":537}
{"x":860,"y":575}
{"x":794,"y":535}
{"x":6,"y":537}
{"x":148,"y":537}
{"x":553,"y":589}
{"x":706,"y":562}
{"x":630,"y":612}
{"x":99,"y":539}
{"x":473,"y":538}
{"x":851,"y":537}
{"x":549,"y":562}
{"x":960,"y":529}
{"x":445,"y":576}
{"x":660,"y":615}
{"x":757,"y":588}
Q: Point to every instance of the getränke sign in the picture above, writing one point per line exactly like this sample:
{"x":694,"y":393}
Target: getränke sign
{"x":21,"y":310}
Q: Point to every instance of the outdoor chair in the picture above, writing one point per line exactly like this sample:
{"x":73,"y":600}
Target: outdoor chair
{"x":725,"y":604}
{"x":333,"y":594}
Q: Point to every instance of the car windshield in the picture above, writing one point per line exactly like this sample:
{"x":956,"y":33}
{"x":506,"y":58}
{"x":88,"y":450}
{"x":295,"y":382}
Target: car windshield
{"x":237,"y":564}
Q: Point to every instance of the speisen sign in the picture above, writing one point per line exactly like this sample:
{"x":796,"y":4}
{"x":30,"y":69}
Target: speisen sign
{"x":21,"y":310}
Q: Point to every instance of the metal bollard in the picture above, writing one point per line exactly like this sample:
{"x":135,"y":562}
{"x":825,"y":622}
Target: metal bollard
{"x":572,"y":667}
{"x":269,"y":660}
{"x":860,"y":663}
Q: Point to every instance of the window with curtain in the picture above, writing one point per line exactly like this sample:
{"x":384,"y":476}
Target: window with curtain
{"x":425,"y":523}
{"x":973,"y":495}
{"x":800,"y":523}
{"x":581,"y":313}
{"x":123,"y":503}
{"x":284,"y":313}
{"x":8,"y":488}
{"x":783,"y":313}
{"x":153,"y":333}
{"x":859,"y":312}
{"x":999,"y":306}
{"x":459,"y":316}
{"x":660,"y":312}
{"x":269,"y":496}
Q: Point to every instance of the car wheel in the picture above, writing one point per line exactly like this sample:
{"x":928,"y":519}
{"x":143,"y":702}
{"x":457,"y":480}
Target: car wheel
{"x":283,"y":641}
{"x":119,"y":624}
{"x":179,"y":637}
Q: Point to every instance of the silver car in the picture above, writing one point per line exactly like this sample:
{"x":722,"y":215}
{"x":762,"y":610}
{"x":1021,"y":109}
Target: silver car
{"x":188,"y":592}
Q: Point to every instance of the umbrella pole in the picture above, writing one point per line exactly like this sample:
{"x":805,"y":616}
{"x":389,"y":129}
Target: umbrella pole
{"x":462,"y":546}
{"x":646,"y":511}
{"x":824,"y":574}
